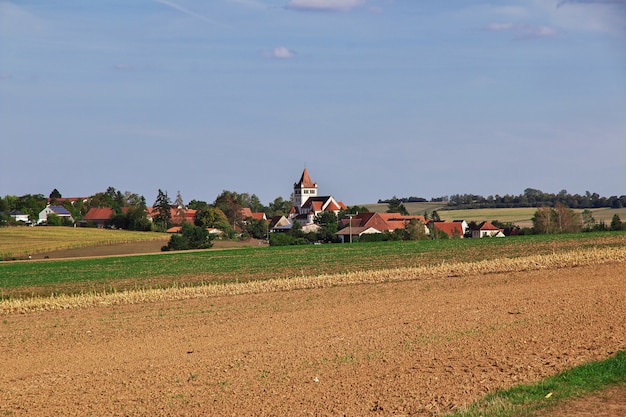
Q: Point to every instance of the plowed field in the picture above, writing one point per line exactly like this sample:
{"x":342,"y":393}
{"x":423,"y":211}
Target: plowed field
{"x":417,"y":348}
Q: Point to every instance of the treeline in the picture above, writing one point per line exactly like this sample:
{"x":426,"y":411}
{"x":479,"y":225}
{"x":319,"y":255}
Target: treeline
{"x":530,"y":198}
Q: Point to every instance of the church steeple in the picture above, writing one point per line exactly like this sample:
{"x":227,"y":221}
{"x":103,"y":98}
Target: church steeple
{"x":303,"y":189}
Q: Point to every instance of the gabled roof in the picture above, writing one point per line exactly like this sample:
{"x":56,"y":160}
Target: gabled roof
{"x":305,"y":181}
{"x":487,"y":226}
{"x":247,"y":212}
{"x":452,"y":229}
{"x":379,"y":221}
{"x":60,"y":210}
{"x":98,"y":213}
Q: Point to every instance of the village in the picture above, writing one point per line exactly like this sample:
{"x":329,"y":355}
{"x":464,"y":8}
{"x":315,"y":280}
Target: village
{"x":308,"y":206}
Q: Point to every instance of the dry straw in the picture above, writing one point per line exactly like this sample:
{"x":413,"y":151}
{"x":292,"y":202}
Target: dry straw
{"x":506,"y":265}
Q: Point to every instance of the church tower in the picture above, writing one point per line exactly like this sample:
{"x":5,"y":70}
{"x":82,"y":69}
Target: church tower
{"x":303,"y":189}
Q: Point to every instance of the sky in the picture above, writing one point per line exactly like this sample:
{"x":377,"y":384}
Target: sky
{"x":376,"y":98}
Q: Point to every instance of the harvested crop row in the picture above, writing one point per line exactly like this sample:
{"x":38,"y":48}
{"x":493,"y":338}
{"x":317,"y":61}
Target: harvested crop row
{"x":530,"y":263}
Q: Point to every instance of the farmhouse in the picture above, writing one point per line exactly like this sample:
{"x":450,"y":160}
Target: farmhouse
{"x":57,"y":210}
{"x":486,"y":229}
{"x":99,"y":216}
{"x":365,"y":223}
{"x":452,"y":229}
{"x":19,"y":216}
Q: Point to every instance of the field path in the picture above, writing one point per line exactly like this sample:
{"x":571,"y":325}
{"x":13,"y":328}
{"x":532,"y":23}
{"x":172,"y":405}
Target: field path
{"x":407,"y":348}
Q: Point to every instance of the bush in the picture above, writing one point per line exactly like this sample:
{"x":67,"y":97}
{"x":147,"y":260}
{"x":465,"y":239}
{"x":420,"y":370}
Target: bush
{"x":191,"y":237}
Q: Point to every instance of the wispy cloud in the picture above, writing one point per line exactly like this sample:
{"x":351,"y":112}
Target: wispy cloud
{"x":565,"y":2}
{"x":280,"y":52}
{"x":523,"y":30}
{"x":5,"y":75}
{"x":187,"y":11}
{"x":324,"y":5}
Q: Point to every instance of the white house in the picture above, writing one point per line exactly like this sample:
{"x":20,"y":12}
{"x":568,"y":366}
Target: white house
{"x":19,"y":216}
{"x":486,"y":229}
{"x":58,"y":210}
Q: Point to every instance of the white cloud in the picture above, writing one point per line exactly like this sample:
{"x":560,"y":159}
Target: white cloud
{"x":523,"y":30}
{"x":324,"y":5}
{"x":280,"y":52}
{"x":603,"y":16}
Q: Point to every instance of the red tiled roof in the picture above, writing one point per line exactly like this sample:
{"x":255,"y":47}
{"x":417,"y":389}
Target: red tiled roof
{"x":259,"y":216}
{"x":332,"y":207}
{"x":98,"y":213}
{"x":487,"y":226}
{"x":305,"y":180}
{"x":452,"y":229}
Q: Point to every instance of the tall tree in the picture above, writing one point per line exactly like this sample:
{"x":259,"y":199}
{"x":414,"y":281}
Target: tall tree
{"x":396,"y":206}
{"x":616,"y":223}
{"x":163,"y":206}
{"x":230,"y":203}
{"x":55,"y":194}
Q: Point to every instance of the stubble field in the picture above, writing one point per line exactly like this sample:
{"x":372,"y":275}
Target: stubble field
{"x":421,"y":347}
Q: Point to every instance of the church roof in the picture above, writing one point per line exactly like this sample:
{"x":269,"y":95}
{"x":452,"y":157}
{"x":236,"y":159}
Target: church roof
{"x":305,"y":180}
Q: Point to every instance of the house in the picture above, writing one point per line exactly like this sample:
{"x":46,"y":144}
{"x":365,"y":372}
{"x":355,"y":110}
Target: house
{"x":364,"y":223}
{"x":19,"y":216}
{"x":453,"y":229}
{"x":245,"y":213}
{"x":279,"y":224}
{"x":486,"y":229}
{"x":178,"y":215}
{"x":99,"y":216}
{"x":72,"y":200}
{"x":57,"y":210}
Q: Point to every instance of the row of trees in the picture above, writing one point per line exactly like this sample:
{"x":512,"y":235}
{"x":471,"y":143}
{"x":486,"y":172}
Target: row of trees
{"x":530,"y":198}
{"x":562,"y":219}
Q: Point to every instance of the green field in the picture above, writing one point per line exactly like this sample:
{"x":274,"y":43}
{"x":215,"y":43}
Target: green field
{"x":21,"y":241}
{"x":521,"y":217}
{"x":42,"y":278}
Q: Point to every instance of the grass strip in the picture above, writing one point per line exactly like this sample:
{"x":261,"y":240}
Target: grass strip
{"x":526,"y":400}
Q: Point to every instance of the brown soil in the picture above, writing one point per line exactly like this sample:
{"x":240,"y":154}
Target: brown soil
{"x":410,"y":348}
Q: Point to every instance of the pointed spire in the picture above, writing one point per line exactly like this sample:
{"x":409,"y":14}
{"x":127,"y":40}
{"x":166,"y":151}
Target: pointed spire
{"x":305,"y":180}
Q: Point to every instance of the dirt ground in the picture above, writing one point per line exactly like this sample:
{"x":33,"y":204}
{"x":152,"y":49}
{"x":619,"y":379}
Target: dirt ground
{"x":417,"y":348}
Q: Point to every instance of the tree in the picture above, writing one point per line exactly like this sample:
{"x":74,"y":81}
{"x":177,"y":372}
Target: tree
{"x":257,"y":228}
{"x":544,"y":221}
{"x":55,"y":194}
{"x":279,"y":207}
{"x":416,"y":230}
{"x":230,"y":203}
{"x":197,"y":205}
{"x":179,"y":203}
{"x":329,"y":224}
{"x":568,"y":220}
{"x":163,"y":206}
{"x":396,"y":206}
{"x":589,"y":223}
{"x":560,"y":219}
{"x":191,"y":237}
{"x":435,"y":216}
{"x":616,"y":223}
{"x":212,"y":217}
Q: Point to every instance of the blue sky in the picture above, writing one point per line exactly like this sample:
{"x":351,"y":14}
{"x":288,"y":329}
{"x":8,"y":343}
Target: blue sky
{"x":376,"y":97}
